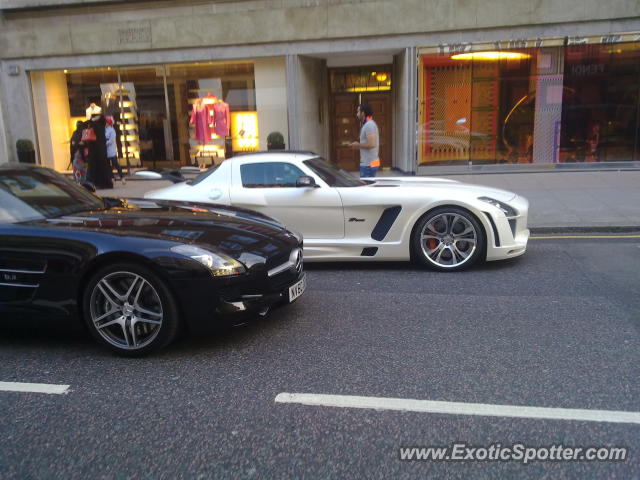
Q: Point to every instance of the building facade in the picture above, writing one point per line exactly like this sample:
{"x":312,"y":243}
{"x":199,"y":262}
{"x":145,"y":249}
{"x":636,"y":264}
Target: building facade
{"x":453,"y":83}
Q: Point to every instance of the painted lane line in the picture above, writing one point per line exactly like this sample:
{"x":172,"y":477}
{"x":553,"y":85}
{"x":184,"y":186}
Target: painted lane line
{"x":33,"y":387}
{"x":458,"y":408}
{"x":586,"y":237}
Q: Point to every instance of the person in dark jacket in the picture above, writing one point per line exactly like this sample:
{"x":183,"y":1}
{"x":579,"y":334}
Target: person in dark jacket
{"x":99,"y":172}
{"x":77,"y":151}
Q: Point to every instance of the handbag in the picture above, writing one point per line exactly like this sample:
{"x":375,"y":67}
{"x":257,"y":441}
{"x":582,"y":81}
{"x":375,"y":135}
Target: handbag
{"x":88,"y":135}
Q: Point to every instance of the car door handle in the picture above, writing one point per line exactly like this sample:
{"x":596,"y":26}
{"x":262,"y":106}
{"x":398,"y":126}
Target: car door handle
{"x":215,"y":193}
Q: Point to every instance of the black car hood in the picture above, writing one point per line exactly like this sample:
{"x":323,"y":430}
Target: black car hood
{"x":231,"y":230}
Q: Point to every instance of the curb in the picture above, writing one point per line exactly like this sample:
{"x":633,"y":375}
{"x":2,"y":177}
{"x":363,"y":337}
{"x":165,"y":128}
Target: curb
{"x":586,"y":229}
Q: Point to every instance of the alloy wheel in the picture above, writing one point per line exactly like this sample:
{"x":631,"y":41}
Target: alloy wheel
{"x":126,"y":310}
{"x":448,"y":240}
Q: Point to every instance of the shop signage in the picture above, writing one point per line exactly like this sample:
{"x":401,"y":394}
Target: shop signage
{"x":519,"y":43}
{"x":134,"y":35}
{"x":583,"y":70}
{"x":577,"y":41}
{"x":448,"y":48}
{"x":611,"y":39}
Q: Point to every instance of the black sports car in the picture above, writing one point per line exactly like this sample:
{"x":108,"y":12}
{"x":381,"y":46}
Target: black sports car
{"x":137,"y":270}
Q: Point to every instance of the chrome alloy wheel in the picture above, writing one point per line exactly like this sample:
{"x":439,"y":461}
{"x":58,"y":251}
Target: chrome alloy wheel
{"x":448,"y":240}
{"x":126,"y":310}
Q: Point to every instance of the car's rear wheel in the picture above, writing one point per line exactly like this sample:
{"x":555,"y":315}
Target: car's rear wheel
{"x":448,"y":239}
{"x":130,"y":310}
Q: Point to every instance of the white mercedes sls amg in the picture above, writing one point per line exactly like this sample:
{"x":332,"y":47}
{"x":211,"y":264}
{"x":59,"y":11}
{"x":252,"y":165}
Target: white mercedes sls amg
{"x":443,"y":224}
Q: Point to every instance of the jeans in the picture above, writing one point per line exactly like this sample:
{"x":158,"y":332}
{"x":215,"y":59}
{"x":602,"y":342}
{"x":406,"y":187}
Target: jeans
{"x":366,"y":171}
{"x":115,"y":164}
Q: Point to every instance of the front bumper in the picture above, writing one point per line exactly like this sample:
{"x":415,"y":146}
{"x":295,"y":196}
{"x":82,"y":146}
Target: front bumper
{"x":510,"y":235}
{"x":208,"y":303}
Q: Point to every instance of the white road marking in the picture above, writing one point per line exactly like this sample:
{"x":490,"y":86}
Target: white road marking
{"x":458,"y":408}
{"x":33,"y":387}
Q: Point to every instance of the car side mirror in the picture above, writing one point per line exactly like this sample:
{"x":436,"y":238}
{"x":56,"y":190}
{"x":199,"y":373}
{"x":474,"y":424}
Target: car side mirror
{"x":306,"y":181}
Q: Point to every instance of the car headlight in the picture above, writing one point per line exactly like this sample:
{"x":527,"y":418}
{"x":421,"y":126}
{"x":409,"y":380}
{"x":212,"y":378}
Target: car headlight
{"x":506,"y":209}
{"x":219,"y":265}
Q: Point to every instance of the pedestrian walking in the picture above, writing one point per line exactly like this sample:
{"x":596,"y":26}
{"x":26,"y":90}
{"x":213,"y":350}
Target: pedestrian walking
{"x":369,"y":142}
{"x":112,"y":148}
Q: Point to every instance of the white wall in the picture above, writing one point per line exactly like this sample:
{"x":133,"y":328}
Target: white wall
{"x":271,"y":98}
{"x":4,"y":146}
{"x":313,"y":105}
{"x":404,"y":93}
{"x":17,"y":110}
{"x":51,"y":98}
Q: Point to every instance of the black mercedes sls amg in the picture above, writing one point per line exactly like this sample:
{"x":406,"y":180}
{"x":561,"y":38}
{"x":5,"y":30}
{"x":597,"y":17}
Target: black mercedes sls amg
{"x":137,"y":271}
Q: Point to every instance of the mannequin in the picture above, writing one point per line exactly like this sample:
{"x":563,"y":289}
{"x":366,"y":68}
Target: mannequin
{"x":92,"y":110}
{"x":221,"y":118}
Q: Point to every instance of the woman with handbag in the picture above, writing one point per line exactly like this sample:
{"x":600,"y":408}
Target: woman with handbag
{"x":99,"y":172}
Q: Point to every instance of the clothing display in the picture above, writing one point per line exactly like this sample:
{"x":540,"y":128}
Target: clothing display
{"x":210,"y":119}
{"x":202,"y":117}
{"x":221,"y":118}
{"x":92,"y":110}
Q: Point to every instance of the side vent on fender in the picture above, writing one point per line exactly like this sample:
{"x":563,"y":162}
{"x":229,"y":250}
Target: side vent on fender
{"x":369,"y":251}
{"x":385,"y":222}
{"x":496,"y":237}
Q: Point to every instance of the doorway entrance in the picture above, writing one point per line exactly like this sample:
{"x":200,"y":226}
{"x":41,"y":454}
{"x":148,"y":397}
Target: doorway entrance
{"x":349,"y":88}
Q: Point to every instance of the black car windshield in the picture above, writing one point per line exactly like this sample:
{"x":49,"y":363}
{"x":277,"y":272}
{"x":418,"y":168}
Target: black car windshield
{"x":37,"y":193}
{"x":332,"y":175}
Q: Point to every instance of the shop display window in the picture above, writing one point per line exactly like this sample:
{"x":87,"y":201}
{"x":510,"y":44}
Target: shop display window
{"x":472,"y":107}
{"x":601,"y":103}
{"x":555,"y":104}
{"x":204,"y":99}
{"x":164,"y":115}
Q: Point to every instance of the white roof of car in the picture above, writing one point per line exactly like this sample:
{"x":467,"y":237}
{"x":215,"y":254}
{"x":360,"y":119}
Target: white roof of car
{"x":274,"y":156}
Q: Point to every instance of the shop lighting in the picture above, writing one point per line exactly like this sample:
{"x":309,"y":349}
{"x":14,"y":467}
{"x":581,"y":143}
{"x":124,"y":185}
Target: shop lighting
{"x":369,"y":89}
{"x":381,"y":77}
{"x":491,"y":56}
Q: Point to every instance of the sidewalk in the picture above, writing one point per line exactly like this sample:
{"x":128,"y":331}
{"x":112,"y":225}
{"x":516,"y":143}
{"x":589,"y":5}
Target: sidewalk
{"x":594,"y":201}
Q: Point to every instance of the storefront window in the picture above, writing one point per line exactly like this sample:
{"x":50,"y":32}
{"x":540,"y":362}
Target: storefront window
{"x":361,"y":80}
{"x":143,"y":118}
{"x":164,"y":115}
{"x":472,"y":107}
{"x":600,"y":104}
{"x":551,"y":104}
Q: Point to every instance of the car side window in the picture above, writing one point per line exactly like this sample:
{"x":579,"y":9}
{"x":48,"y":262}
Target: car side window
{"x":269,"y":175}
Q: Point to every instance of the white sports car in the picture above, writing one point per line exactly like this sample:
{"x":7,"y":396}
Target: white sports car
{"x":441,"y":223}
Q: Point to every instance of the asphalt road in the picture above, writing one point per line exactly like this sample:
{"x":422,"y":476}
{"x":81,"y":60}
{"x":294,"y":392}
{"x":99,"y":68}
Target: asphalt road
{"x":559,"y":327}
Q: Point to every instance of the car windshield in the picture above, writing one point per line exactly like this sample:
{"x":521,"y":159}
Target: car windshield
{"x":203,"y":175}
{"x":38,"y":193}
{"x":332,"y":175}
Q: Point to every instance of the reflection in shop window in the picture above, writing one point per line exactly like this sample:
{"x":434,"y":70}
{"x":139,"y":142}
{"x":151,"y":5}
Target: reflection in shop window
{"x":601,"y":106}
{"x":541,"y":105}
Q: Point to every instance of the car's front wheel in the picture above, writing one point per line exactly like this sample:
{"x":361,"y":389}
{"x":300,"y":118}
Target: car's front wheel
{"x":130,"y":310}
{"x":448,"y":239}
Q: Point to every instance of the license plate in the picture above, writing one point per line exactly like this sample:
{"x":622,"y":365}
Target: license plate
{"x":297,"y":289}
